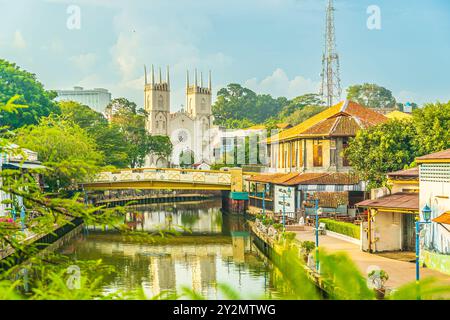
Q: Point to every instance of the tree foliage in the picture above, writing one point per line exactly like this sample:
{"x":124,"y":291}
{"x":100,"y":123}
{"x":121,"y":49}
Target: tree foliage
{"x":381,"y":149}
{"x":26,"y":91}
{"x":239,"y":103}
{"x":240,"y":108}
{"x":131,"y":122}
{"x":63,"y":147}
{"x":394,"y":145}
{"x":371,"y":96}
{"x":432,"y":123}
{"x":299,"y":103}
{"x":303,"y":114}
{"x":110,"y":140}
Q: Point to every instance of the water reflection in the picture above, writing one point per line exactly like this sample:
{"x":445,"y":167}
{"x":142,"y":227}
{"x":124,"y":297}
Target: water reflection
{"x":219,"y":251}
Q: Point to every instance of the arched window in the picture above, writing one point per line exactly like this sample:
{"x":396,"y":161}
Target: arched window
{"x":160,"y":102}
{"x":157,"y":124}
{"x":203,"y":104}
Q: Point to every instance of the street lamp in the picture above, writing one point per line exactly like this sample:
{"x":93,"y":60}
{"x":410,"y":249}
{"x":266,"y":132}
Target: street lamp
{"x":284,"y":208}
{"x":266,"y":190}
{"x":316,"y":211}
{"x":426,"y":213}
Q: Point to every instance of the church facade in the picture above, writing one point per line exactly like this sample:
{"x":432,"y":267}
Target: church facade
{"x":191,"y":131}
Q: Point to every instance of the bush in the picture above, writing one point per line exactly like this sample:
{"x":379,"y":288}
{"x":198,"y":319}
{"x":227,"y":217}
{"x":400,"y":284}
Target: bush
{"x":289,"y":236}
{"x":345,"y":228}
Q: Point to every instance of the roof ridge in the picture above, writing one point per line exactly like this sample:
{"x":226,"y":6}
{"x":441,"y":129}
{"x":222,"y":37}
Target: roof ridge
{"x":333,"y":127}
{"x":344,"y":105}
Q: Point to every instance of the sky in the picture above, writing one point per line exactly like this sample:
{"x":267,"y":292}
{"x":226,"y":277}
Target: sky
{"x":270,"y":46}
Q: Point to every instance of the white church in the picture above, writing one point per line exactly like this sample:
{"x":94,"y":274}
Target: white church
{"x":190,"y":130}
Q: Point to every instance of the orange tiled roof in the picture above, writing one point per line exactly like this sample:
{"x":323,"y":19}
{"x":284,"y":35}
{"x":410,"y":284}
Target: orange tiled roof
{"x":344,"y":118}
{"x":293,"y":179}
{"x":399,"y":201}
{"x":442,"y":156}
{"x":408,"y":174}
{"x":332,"y":199}
{"x":276,"y":178}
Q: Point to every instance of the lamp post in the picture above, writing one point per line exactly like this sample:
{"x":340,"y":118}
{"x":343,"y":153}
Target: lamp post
{"x":264,"y":201}
{"x":316,"y":209}
{"x":426,"y":213}
{"x":316,"y":212}
{"x":284,"y":208}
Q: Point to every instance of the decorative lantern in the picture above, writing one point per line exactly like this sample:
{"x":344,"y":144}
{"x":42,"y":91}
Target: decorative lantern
{"x":426,"y":213}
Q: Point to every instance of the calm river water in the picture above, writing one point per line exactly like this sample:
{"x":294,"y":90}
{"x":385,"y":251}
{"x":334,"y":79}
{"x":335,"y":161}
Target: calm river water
{"x":219,"y":250}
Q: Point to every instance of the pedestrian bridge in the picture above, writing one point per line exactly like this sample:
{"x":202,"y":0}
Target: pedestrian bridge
{"x":173,"y":179}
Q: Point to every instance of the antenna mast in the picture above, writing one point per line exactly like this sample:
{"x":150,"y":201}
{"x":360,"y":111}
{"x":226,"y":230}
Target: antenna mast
{"x":331,"y":90}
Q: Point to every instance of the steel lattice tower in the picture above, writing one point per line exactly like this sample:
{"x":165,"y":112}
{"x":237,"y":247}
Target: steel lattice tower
{"x":331,"y":83}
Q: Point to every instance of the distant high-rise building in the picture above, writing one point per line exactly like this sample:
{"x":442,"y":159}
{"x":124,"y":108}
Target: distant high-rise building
{"x":97,"y":98}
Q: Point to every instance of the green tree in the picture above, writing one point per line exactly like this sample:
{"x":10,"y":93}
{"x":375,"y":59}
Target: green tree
{"x":381,"y":149}
{"x":371,"y":96}
{"x":110,"y":140}
{"x":63,"y":147}
{"x":187,"y":158}
{"x":432,"y":123}
{"x":298,"y":103}
{"x":131,"y":122}
{"x":28,"y":91}
{"x":160,"y":146}
{"x":303,"y":114}
{"x":238,"y":103}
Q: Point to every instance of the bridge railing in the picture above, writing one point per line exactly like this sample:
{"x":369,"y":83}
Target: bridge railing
{"x":175,"y":175}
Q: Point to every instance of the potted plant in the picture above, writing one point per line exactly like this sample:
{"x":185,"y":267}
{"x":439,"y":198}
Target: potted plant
{"x":307,"y":248}
{"x":378,"y":279}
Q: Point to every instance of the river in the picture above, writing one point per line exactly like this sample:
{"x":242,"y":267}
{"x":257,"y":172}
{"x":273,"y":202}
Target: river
{"x":212,"y":248}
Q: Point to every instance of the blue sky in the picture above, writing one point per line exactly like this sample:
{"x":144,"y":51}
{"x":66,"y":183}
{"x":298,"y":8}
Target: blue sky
{"x":271,"y":46}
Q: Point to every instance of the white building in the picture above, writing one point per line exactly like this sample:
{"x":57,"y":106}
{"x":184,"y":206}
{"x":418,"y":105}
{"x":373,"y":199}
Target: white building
{"x":15,"y":158}
{"x":97,"y":98}
{"x":434,"y":176}
{"x":189,"y":130}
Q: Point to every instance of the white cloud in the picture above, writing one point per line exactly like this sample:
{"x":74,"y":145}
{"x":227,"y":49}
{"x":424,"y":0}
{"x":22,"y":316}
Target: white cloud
{"x":19,"y":41}
{"x":175,"y":42}
{"x":278,"y":84}
{"x":84,"y":61}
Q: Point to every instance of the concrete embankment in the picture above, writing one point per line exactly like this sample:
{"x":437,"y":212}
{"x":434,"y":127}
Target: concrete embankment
{"x":41,"y":242}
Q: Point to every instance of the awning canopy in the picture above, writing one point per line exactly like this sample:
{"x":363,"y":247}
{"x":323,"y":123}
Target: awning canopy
{"x":25,"y":165}
{"x":407,"y":202}
{"x":443,"y":218}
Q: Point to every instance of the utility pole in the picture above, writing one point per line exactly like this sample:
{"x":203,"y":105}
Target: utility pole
{"x":331,"y":90}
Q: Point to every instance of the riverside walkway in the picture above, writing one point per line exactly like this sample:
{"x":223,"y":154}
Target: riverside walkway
{"x":400,"y":272}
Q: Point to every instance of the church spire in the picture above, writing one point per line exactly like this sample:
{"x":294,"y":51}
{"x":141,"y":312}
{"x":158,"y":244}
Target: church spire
{"x":153,"y":75}
{"x":209,"y":81}
{"x":196,"y":83}
{"x":160,"y":75}
{"x":145,"y":74}
{"x":201,"y":79}
{"x":168,"y":77}
{"x":187,"y":79}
